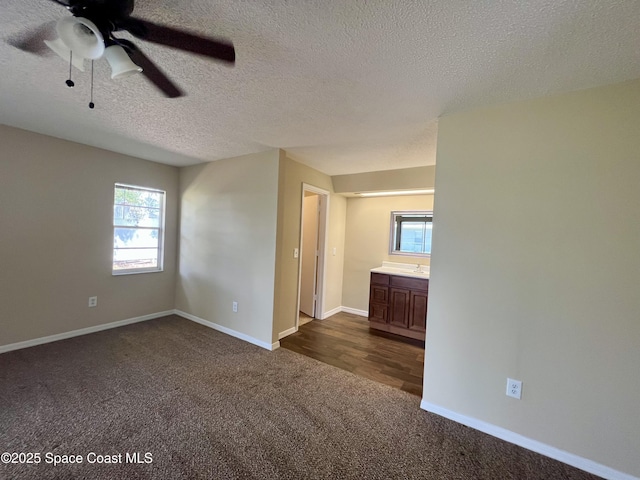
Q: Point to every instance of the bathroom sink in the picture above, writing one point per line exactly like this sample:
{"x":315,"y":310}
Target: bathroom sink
{"x":405,"y":270}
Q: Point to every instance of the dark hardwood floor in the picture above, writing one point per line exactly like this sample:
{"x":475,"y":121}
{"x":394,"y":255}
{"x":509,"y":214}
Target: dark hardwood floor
{"x":345,"y":341}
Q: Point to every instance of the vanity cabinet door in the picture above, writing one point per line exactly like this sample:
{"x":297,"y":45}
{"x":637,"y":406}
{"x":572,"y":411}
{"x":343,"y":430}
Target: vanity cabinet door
{"x":418,"y":311}
{"x":399,"y":307}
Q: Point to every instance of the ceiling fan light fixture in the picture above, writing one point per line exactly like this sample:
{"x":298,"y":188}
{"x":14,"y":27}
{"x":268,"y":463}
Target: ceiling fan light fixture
{"x":121,"y":64}
{"x":63,"y":52}
{"x":81,"y":36}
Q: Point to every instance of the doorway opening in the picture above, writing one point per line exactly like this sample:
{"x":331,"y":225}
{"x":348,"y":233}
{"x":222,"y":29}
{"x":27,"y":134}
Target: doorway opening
{"x":313,"y":241}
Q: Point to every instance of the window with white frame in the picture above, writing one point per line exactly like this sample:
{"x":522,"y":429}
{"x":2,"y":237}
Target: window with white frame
{"x":138,"y":229}
{"x":411,"y":233}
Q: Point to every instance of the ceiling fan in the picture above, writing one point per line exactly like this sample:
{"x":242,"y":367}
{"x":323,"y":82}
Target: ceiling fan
{"x":90,"y":34}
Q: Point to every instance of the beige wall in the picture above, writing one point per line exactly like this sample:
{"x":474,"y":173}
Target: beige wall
{"x":292,"y":176}
{"x":230,"y":221}
{"x":56,"y":237}
{"x":536,"y":270}
{"x":367,"y":241}
{"x":335,"y":263}
{"x":228,"y":242}
{"x":400,"y":179}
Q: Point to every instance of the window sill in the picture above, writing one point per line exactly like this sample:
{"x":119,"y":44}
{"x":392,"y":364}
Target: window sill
{"x":410,"y":254}
{"x":118,"y":273}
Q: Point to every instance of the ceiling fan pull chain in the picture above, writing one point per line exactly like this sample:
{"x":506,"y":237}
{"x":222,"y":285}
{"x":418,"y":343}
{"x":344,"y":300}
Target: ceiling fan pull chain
{"x":70,"y":82}
{"x":91,"y":104}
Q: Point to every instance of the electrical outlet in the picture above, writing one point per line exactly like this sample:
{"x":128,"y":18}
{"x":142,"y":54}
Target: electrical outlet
{"x":295,"y":253}
{"x":93,"y":301}
{"x":235,"y":307}
{"x":514,"y":388}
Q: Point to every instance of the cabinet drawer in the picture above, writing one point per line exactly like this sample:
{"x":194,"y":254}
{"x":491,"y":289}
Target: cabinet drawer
{"x":378,"y":313}
{"x":410,"y":283}
{"x":379,"y":294}
{"x":380,"y":278}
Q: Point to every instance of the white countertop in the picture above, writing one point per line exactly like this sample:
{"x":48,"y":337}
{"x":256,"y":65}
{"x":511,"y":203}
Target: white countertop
{"x":402,"y":269}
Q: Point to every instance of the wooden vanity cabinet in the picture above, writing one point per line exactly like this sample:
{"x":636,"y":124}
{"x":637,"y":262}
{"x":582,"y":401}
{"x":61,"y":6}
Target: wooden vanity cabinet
{"x":398,"y":304}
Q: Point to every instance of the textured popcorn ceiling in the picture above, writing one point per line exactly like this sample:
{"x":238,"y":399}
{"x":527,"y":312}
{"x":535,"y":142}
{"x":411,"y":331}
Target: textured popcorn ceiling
{"x":344,"y":86}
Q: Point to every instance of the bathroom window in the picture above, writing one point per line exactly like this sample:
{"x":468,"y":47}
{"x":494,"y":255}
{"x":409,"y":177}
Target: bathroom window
{"x":411,"y":233}
{"x":138,"y":229}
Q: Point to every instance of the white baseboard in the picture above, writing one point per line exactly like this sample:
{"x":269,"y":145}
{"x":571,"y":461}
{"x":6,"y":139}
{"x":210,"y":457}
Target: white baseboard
{"x":286,"y":333}
{"x":228,"y":331}
{"x":355,"y":311}
{"x":82,"y":331}
{"x":533,"y":445}
{"x":333,"y":311}
{"x":327,"y":314}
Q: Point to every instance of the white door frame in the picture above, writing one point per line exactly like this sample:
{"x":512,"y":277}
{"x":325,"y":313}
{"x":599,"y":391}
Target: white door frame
{"x":309,"y":254}
{"x":323,"y":241}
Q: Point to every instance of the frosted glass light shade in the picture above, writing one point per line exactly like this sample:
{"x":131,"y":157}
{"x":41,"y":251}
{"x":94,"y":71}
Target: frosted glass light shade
{"x":63,"y":52}
{"x":121,"y":64}
{"x":81,"y":36}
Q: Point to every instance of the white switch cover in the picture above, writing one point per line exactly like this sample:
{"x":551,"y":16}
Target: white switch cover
{"x":235,"y":307}
{"x":295,"y":253}
{"x":335,"y":250}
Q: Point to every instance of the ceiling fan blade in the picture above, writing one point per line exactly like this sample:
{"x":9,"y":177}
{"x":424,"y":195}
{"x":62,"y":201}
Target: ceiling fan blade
{"x":150,"y":70}
{"x":33,"y":41}
{"x":179,"y":39}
